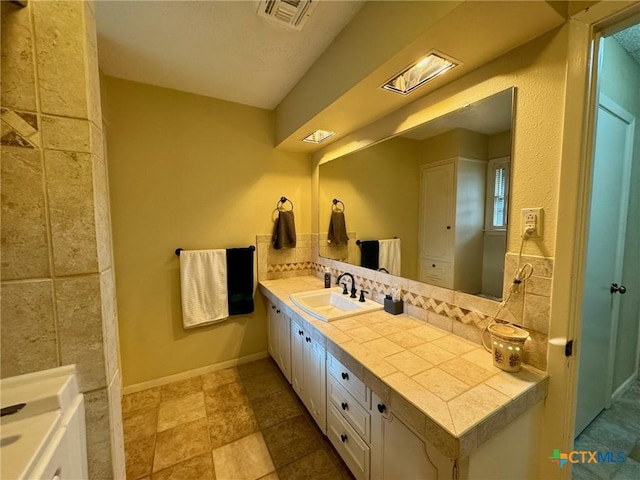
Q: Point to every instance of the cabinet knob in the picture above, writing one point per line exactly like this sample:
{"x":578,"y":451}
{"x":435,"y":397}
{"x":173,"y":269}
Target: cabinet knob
{"x":433,"y":265}
{"x":300,"y":332}
{"x":448,"y":227}
{"x":308,"y":339}
{"x":345,"y":376}
{"x":343,"y":437}
{"x":278,"y":311}
{"x":273,"y":307}
{"x":344,"y":406}
{"x":382,"y":407}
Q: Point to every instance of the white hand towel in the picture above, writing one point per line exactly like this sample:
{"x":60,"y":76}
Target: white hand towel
{"x":203,"y":283}
{"x":389,"y":255}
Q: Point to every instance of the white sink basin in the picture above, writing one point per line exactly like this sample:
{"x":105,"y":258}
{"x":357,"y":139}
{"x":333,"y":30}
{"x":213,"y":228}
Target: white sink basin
{"x":329,"y":304}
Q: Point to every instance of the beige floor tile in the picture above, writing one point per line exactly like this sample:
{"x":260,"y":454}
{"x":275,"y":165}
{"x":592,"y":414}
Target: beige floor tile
{"x":276,"y":408}
{"x":230,"y":425}
{"x":257,"y":367}
{"x":317,"y":465}
{"x":270,"y":476}
{"x":139,"y":456}
{"x":244,"y":459}
{"x":180,"y":388}
{"x":181,"y":410}
{"x":265,"y":384}
{"x":292,"y":439}
{"x":225,"y":397}
{"x":196,"y":468}
{"x":140,"y":423}
{"x":220,"y":377}
{"x":181,"y":443}
{"x":144,"y":399}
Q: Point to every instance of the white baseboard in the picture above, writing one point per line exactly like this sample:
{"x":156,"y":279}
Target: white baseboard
{"x":623,"y":388}
{"x":192,"y":373}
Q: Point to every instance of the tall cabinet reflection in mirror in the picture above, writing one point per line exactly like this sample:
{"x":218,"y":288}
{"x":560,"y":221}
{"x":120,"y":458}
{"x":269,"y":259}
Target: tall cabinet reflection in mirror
{"x":441,"y":189}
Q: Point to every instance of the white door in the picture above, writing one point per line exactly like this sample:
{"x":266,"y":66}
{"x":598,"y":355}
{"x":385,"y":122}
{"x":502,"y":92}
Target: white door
{"x":297,"y":358}
{"x":603,"y":266}
{"x":436,"y":211}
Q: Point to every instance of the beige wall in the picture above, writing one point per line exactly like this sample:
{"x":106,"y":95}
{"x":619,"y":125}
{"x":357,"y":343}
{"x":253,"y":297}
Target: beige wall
{"x":454,"y":143}
{"x":197,"y":173}
{"x":379,"y":187}
{"x":58,"y":297}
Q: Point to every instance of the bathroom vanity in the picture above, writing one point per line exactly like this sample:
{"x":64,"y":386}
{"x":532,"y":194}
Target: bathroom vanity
{"x":43,"y":426}
{"x":399,"y":398}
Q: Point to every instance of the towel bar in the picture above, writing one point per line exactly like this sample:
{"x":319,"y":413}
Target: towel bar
{"x":178,"y":250}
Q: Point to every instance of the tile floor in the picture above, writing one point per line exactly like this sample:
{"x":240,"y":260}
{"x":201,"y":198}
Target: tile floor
{"x":240,"y":423}
{"x":616,"y":429}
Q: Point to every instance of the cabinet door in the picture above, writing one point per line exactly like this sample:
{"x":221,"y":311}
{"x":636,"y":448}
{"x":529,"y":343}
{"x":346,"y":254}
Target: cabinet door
{"x":273,"y":332}
{"x":396,"y":452}
{"x":284,"y":344}
{"x":437,"y":203}
{"x":315,"y":386}
{"x":297,"y":359}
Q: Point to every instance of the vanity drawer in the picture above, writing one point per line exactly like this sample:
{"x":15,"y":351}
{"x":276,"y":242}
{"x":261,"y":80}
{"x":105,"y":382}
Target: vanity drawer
{"x":349,"y":381}
{"x":353,"y":450}
{"x":436,"y":272}
{"x":358,"y":417}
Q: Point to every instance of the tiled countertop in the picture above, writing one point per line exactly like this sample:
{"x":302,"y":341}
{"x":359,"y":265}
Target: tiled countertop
{"x":442,"y":385}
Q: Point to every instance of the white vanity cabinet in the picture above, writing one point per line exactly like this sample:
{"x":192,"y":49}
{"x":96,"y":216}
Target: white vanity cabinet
{"x":308,"y":372}
{"x":280,"y":339}
{"x":452,"y":202}
{"x":349,"y":418}
{"x":398,"y":453}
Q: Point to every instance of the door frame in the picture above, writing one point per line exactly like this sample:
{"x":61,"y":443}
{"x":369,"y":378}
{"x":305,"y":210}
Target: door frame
{"x":584,"y":29}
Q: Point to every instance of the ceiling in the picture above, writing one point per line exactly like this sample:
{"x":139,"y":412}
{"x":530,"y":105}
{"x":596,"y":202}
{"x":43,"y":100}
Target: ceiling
{"x":629,"y":39}
{"x":325,"y":76}
{"x":220,"y":49}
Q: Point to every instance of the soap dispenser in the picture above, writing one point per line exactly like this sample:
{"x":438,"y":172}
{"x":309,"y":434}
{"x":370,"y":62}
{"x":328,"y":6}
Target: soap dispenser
{"x":327,"y":277}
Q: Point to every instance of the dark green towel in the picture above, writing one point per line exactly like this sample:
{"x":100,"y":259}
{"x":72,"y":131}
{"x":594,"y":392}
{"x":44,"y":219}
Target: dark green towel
{"x":337,"y":229}
{"x":284,"y":231}
{"x":369,"y":252}
{"x":240,"y":280}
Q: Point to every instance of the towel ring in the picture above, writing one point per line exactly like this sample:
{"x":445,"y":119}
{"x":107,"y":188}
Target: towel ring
{"x":281,"y":203}
{"x":335,"y":207}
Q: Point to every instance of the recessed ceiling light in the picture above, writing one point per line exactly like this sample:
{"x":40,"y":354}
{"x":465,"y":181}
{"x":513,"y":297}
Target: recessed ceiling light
{"x":318,"y":136}
{"x":420,"y":72}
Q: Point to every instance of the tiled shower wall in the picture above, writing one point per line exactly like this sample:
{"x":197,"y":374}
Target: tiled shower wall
{"x":457,"y":312}
{"x":58,"y":292}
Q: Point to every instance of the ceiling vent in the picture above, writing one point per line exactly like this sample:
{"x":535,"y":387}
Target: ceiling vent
{"x":292,"y":13}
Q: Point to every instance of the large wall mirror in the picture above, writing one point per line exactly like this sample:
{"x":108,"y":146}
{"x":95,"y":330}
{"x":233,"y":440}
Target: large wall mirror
{"x":429,"y":204}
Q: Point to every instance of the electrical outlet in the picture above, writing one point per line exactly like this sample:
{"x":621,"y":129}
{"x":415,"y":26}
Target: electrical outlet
{"x":532,"y":222}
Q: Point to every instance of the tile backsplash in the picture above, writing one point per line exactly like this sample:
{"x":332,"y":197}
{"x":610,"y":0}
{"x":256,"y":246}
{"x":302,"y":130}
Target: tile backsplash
{"x":463,"y":314}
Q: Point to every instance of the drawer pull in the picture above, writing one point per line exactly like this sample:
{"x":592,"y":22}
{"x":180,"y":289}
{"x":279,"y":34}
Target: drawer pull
{"x":345,"y":406}
{"x":278,"y":311}
{"x":382,"y":407}
{"x":345,"y":376}
{"x":343,"y":437}
{"x":273,"y":307}
{"x":308,"y":339}
{"x":300,"y":332}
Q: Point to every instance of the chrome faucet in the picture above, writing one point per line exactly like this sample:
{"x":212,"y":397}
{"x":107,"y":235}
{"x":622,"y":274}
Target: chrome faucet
{"x":353,"y":284}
